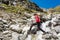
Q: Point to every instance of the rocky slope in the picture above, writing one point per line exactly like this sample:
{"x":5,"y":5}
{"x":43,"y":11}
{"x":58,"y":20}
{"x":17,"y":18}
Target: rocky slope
{"x":15,"y":27}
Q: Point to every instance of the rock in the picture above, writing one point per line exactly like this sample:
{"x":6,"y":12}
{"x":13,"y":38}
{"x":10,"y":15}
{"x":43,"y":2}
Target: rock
{"x":58,"y":36}
{"x":53,"y":21}
{"x":1,"y":23}
{"x":20,"y":36}
{"x":33,"y":30}
{"x":47,"y":36}
{"x":1,"y":29}
{"x":45,"y":26}
{"x":5,"y":21}
{"x":14,"y":36}
{"x":39,"y":35}
{"x":29,"y":37}
{"x":55,"y":37}
{"x":23,"y":37}
{"x":24,"y":18}
{"x":6,"y":16}
{"x":57,"y":28}
{"x":6,"y":32}
{"x":0,"y":18}
{"x":25,"y":29}
{"x":33,"y":37}
{"x":16,"y":28}
{"x":9,"y":35}
{"x":27,"y":15}
{"x":1,"y":38}
{"x":2,"y":8}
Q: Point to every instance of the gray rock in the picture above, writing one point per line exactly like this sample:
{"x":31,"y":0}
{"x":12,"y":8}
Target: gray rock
{"x":57,"y":28}
{"x":16,"y":28}
{"x":47,"y":36}
{"x":14,"y":36}
{"x":6,"y":32}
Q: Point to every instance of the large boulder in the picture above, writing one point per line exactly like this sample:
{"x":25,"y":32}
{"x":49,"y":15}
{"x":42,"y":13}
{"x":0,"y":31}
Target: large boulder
{"x":16,"y":28}
{"x":57,"y":28}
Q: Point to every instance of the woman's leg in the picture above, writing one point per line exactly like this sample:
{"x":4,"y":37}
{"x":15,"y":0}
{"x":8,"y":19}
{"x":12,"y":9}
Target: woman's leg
{"x":32,"y":26}
{"x":39,"y":28}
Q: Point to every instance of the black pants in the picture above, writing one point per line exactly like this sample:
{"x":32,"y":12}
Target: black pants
{"x":38,"y":26}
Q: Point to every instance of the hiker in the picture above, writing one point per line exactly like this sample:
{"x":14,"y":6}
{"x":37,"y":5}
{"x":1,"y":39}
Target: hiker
{"x":36,"y":21}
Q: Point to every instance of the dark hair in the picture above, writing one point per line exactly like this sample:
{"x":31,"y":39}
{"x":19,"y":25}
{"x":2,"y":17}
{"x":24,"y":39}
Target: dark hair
{"x":35,"y":14}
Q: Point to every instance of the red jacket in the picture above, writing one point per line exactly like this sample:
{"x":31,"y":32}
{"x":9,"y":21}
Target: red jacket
{"x":37,"y":18}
